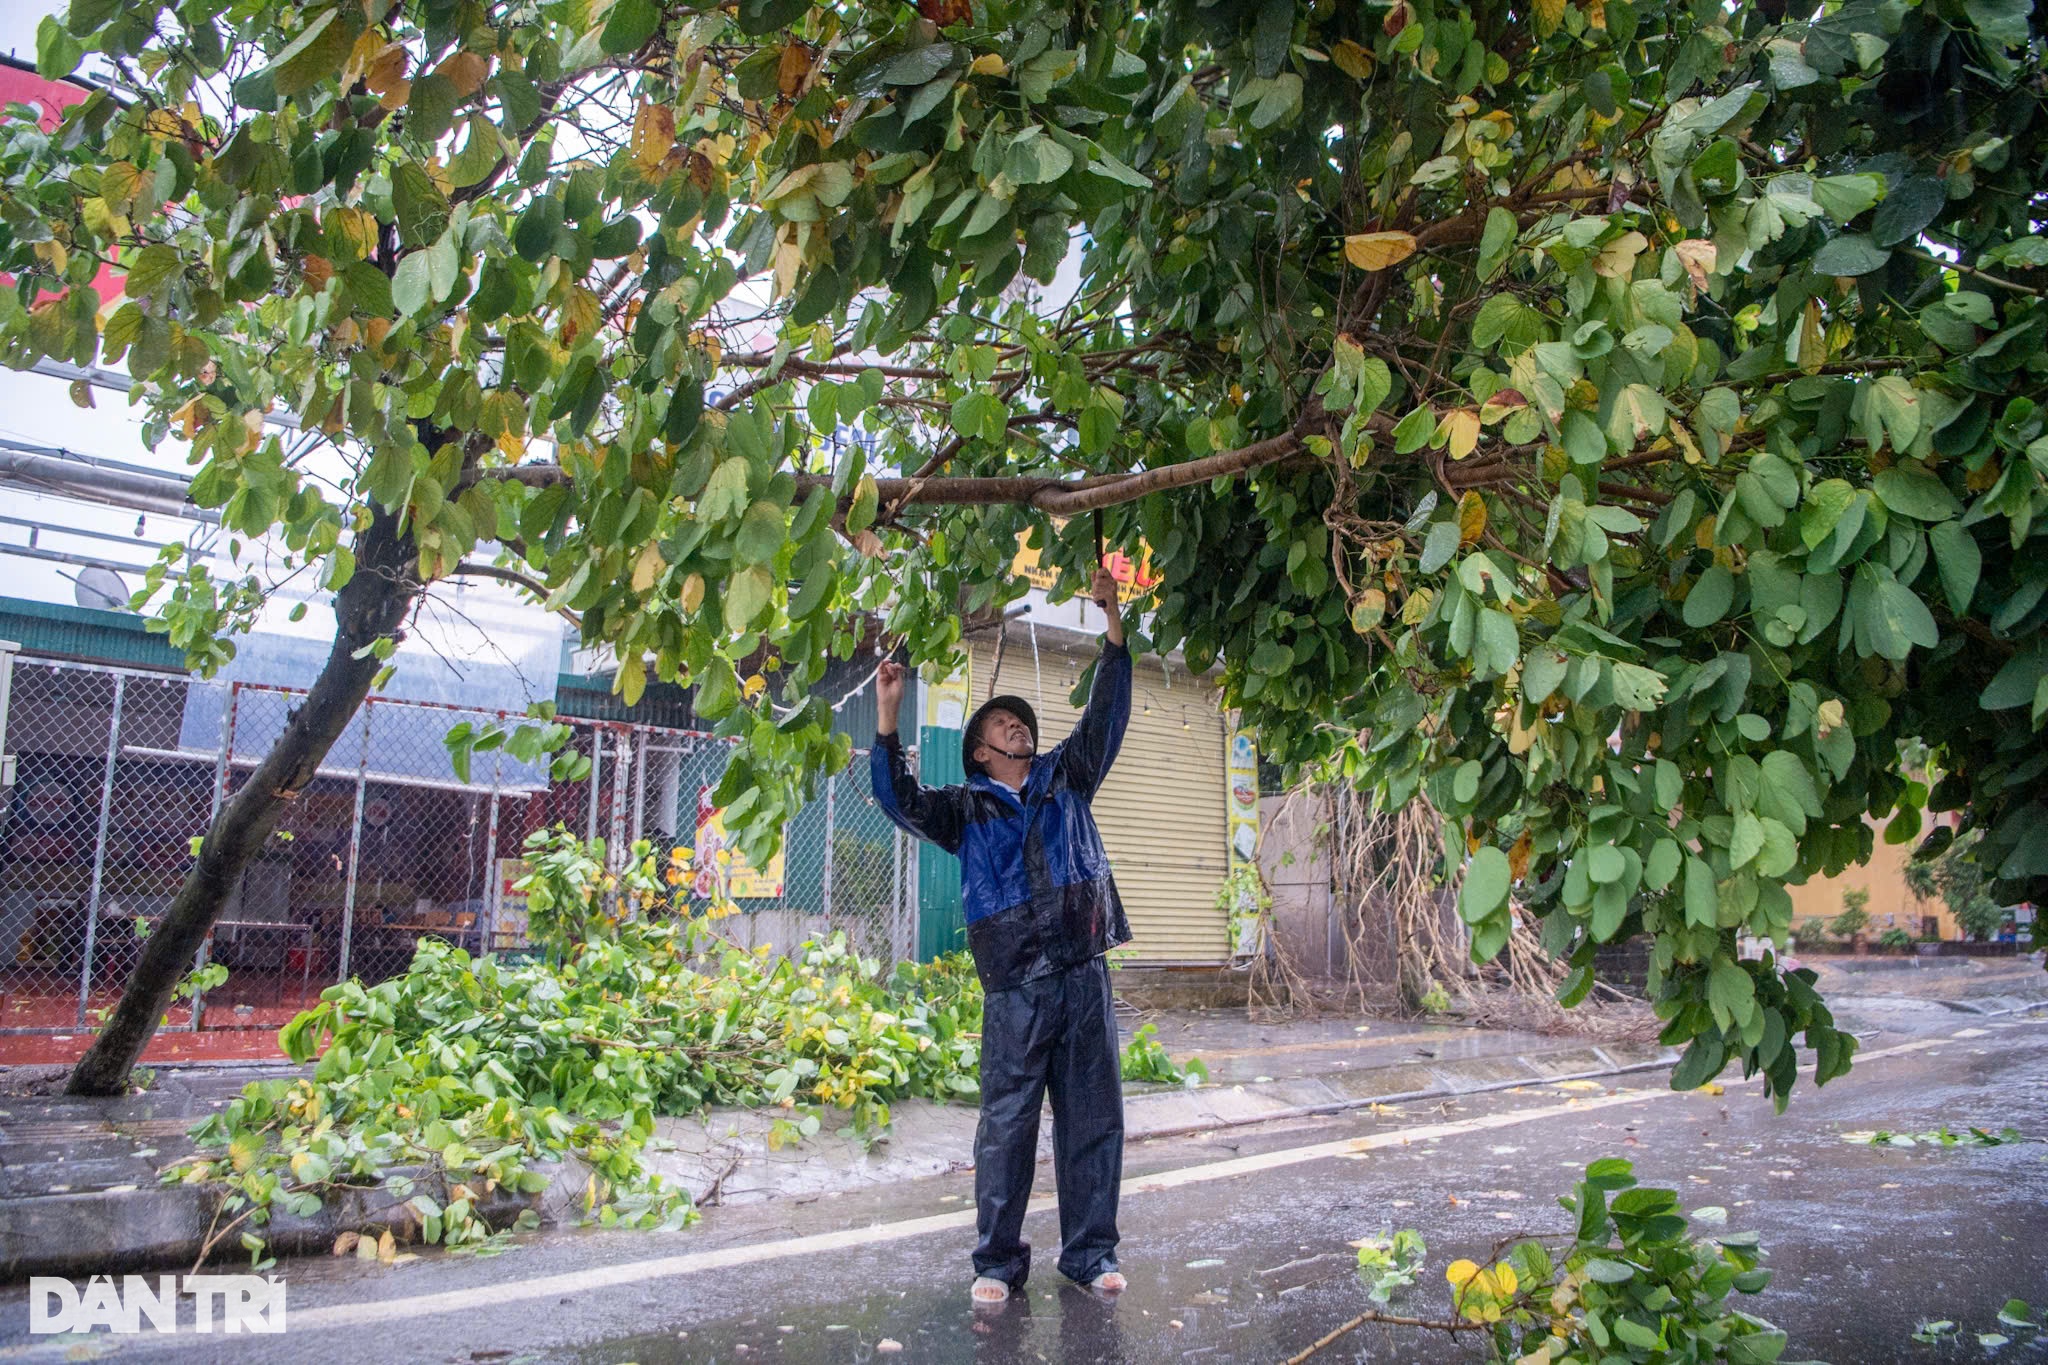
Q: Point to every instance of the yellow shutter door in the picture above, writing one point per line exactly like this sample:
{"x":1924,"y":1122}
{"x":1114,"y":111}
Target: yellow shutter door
{"x":1164,"y":810}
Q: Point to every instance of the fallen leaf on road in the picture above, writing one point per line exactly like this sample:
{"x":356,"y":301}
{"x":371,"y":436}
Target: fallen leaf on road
{"x":1713,"y":1213}
{"x":1205,"y":1263}
{"x":888,"y":1346}
{"x":1578,"y":1085}
{"x":1991,"y":1341}
{"x":1404,"y":1203}
{"x":1210,"y":1298}
{"x":1175,"y":1323}
{"x":1712,"y":1088}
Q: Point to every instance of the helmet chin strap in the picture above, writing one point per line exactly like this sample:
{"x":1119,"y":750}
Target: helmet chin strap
{"x":1006,"y":753}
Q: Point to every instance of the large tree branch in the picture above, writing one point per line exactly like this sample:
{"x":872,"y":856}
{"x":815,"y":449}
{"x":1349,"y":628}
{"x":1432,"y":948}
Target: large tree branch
{"x":1060,"y":497}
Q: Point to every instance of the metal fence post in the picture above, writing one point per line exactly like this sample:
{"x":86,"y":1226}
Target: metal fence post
{"x":640,"y":738}
{"x":896,"y":891}
{"x":831,"y":820}
{"x":615,"y":830}
{"x":596,"y":772}
{"x":355,"y":850}
{"x":221,"y":769}
{"x":99,"y":848}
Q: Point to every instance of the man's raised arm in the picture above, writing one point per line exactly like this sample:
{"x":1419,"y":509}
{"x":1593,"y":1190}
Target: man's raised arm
{"x":930,"y":813}
{"x":1092,"y":747}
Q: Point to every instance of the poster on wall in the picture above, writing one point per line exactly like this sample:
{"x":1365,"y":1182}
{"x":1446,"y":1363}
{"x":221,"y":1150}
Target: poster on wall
{"x":945,"y":699}
{"x":740,"y":879}
{"x":1246,"y":925}
{"x":508,"y":910}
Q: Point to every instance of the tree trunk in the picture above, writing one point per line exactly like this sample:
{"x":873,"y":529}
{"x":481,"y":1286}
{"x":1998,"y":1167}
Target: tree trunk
{"x":371,"y":605}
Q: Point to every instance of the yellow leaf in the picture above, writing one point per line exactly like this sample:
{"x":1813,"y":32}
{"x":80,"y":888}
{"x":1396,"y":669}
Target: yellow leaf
{"x":1699,"y":256}
{"x":632,"y":683}
{"x":1596,"y":14}
{"x":1618,"y":258}
{"x":1471,"y":518}
{"x":387,"y":1247}
{"x":647,"y":567}
{"x":788,"y":259}
{"x":1461,"y":1273}
{"x":466,"y":71}
{"x":1353,"y":60}
{"x":345,"y":1243}
{"x":1461,"y":429}
{"x":988,"y":64}
{"x":692,"y":595}
{"x":753,"y":687}
{"x":1378,"y":250}
{"x":1518,"y":857}
{"x":384,"y":70}
{"x":654,"y":133}
{"x":1549,"y":14}
{"x":1712,"y":1088}
{"x":1813,"y":346}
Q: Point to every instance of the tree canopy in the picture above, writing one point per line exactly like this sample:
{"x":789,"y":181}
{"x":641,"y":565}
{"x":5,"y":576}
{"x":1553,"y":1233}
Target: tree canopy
{"x":1618,"y":421}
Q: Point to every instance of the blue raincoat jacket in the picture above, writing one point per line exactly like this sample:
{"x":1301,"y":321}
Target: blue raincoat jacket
{"x":1033,"y":906}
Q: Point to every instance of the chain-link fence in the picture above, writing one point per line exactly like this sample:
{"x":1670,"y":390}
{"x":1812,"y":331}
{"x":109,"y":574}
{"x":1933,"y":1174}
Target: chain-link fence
{"x":118,"y":770}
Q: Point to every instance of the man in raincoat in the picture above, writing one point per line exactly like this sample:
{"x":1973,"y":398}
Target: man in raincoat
{"x":1041,"y":911}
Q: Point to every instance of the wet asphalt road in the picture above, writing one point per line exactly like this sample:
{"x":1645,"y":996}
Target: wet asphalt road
{"x":1235,"y":1244}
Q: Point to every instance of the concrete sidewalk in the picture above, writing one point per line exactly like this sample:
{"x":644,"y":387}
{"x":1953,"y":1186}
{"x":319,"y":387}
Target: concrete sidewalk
{"x":79,"y":1191}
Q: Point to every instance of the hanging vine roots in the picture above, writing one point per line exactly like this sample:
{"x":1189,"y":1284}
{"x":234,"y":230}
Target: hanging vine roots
{"x":1395,"y":935}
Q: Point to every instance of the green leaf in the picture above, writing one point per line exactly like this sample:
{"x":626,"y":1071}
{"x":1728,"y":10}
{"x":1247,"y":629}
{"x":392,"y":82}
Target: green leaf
{"x":1915,"y":493}
{"x":628,"y":27}
{"x":1412,"y":432}
{"x":151,"y":267}
{"x":746,"y":596}
{"x":1711,"y":596}
{"x":725,"y":496}
{"x":1825,"y":503}
{"x":919,"y":64}
{"x":1034,"y":159}
{"x":57,"y":52}
{"x":1850,"y":254}
{"x":1702,"y":896}
{"x":866,"y":502}
{"x":1731,"y":990}
{"x":1439,"y":545}
{"x":1909,"y":207}
{"x":1845,"y":196}
{"x":1637,"y":688}
{"x":411,"y":285}
{"x":760,"y":535}
{"x":1485,"y":889}
{"x":1959,"y":562}
{"x":2016,"y":680}
{"x":1702,"y":1061}
{"x":1496,"y":243}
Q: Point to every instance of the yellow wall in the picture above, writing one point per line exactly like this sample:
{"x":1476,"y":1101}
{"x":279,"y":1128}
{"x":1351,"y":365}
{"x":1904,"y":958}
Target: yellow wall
{"x":1892,"y":905}
{"x":1163,"y":812}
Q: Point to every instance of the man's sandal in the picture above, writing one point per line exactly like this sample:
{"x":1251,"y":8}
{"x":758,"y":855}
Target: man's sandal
{"x":988,"y":1292}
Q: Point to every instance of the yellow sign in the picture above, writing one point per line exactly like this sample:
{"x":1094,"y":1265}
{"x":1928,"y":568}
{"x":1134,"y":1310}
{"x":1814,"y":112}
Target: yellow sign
{"x":721,"y":868}
{"x":1134,"y":580}
{"x":1243,"y":772}
{"x":946,"y":700}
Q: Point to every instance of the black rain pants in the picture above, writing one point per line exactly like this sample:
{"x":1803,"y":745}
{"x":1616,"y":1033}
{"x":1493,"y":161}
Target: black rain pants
{"x":1057,"y":1035}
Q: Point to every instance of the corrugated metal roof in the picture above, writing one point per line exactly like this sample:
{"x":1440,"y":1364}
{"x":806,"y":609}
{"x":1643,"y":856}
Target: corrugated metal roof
{"x":88,"y":634}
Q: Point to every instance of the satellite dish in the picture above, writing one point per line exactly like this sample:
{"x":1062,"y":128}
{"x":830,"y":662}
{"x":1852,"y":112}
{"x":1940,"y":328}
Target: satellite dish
{"x":102,"y":588}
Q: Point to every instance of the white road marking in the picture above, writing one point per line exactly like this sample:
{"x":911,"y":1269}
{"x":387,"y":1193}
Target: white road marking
{"x":473,"y":1299}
